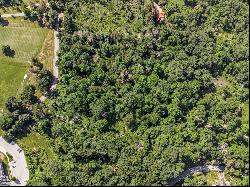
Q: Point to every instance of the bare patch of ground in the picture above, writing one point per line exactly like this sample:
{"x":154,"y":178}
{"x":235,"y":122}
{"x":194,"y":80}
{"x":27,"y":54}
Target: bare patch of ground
{"x":220,"y":82}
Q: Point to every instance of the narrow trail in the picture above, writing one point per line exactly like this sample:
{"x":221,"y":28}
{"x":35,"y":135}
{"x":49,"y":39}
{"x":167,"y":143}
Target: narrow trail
{"x":204,"y":168}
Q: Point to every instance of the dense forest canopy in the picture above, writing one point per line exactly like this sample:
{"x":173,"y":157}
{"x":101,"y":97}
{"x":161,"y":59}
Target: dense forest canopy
{"x":10,"y":2}
{"x":138,"y":102}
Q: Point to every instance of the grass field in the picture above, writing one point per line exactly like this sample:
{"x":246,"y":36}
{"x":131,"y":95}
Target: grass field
{"x":27,"y":39}
{"x":9,"y":10}
{"x":33,"y":141}
{"x":10,"y":79}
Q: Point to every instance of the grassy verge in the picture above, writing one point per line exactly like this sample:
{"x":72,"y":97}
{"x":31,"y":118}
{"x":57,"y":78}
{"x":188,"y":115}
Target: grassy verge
{"x":9,"y":156}
{"x":47,"y":52}
{"x":212,"y":177}
{"x":34,"y":141}
{"x":6,"y":167}
{"x":38,"y":150}
{"x":1,"y":132}
{"x":10,"y":10}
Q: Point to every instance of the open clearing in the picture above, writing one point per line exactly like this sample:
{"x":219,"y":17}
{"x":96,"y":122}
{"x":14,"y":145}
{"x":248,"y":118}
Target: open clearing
{"x":28,"y":40}
{"x":34,"y":142}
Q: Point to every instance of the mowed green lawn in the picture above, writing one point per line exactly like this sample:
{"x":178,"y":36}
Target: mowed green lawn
{"x":26,"y":39}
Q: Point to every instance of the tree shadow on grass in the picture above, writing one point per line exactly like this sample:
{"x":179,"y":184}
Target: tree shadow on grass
{"x":11,"y":53}
{"x":4,"y":22}
{"x":7,"y":51}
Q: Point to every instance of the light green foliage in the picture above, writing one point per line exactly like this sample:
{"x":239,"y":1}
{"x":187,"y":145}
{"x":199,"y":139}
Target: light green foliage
{"x":212,"y":177}
{"x":34,"y":141}
{"x":198,"y":180}
{"x":139,"y":102}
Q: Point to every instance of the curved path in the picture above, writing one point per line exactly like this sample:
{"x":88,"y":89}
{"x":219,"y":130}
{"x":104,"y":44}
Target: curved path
{"x":20,"y":171}
{"x":190,"y":171}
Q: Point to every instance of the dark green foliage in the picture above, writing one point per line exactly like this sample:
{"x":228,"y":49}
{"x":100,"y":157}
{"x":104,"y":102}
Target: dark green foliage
{"x":16,"y":121}
{"x":5,"y":3}
{"x":35,"y":64}
{"x":44,"y":14}
{"x":13,"y":104}
{"x":28,"y":95}
{"x":44,"y":80}
{"x":140,"y":102}
{"x":195,"y":181}
{"x":7,"y":51}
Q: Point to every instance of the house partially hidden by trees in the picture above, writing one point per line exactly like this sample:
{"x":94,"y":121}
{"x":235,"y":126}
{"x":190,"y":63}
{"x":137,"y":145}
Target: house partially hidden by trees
{"x":158,"y":12}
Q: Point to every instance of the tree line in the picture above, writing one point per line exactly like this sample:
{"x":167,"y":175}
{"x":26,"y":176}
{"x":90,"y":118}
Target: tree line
{"x":138,"y":102}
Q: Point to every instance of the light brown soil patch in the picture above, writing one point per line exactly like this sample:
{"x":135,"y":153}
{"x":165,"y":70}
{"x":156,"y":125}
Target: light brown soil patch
{"x":220,"y":82}
{"x":2,"y":156}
